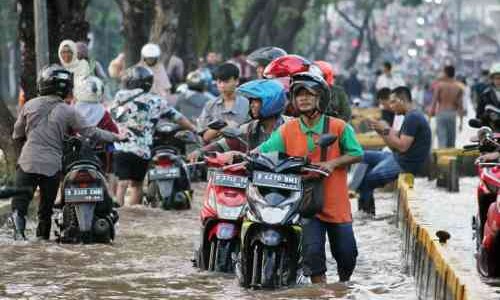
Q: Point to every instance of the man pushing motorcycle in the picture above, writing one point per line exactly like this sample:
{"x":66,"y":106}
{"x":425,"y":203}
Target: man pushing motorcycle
{"x":42,"y":124}
{"x":297,"y":137}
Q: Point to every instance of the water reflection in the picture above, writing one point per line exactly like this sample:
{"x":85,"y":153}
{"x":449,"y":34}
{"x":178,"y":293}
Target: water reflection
{"x":151,"y":258}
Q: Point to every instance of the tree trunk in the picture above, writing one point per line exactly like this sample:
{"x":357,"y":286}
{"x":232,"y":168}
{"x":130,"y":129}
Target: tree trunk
{"x":293,"y":11}
{"x":137,"y":16}
{"x":374,"y":49}
{"x":66,"y":20}
{"x":9,"y":147}
{"x":192,"y":35}
{"x":166,"y":21}
{"x":367,"y":14}
{"x":26,"y":31}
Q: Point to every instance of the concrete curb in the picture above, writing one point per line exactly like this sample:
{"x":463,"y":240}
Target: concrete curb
{"x":434,"y":277}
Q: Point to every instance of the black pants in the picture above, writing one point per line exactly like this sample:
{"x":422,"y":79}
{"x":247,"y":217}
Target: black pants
{"x":48,"y":191}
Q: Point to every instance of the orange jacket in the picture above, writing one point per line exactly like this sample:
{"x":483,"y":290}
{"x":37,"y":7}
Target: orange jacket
{"x":336,"y":205}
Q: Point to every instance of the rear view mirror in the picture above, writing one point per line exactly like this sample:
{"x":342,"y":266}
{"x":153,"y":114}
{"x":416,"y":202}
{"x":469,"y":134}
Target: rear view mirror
{"x":187,"y":137}
{"x":485,"y":133}
{"x":326,"y":140}
{"x":217,"y":124}
{"x":475,"y":123}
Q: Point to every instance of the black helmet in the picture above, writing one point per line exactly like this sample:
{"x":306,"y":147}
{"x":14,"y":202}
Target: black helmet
{"x":138,"y":78}
{"x":313,"y":83}
{"x":263,"y":56}
{"x":195,"y":81}
{"x":55,"y":80}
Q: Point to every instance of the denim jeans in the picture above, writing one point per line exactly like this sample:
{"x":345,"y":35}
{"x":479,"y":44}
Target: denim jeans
{"x":342,"y":245}
{"x":382,"y":169}
{"x":446,"y":129}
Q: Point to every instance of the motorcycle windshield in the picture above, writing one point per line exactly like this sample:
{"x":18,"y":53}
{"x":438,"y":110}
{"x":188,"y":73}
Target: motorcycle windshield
{"x":276,"y":162}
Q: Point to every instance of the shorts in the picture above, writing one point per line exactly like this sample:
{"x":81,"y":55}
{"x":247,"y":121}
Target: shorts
{"x":128,"y":166}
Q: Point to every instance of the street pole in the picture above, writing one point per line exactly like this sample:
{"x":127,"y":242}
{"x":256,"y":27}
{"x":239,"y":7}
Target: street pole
{"x":41,"y":34}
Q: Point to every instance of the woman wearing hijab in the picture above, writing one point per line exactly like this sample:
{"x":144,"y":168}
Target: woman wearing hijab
{"x":69,"y":60}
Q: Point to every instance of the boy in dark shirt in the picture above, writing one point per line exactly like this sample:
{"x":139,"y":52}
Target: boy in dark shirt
{"x":410,"y":148}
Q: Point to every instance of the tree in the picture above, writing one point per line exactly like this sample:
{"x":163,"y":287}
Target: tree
{"x":366,"y":8}
{"x":136,"y":22}
{"x":66,"y":20}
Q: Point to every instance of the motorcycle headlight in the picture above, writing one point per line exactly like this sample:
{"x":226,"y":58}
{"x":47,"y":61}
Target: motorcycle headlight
{"x":212,"y":201}
{"x":229,"y":212}
{"x":273,"y":215}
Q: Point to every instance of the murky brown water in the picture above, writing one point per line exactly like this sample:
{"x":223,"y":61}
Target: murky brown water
{"x":151,"y":259}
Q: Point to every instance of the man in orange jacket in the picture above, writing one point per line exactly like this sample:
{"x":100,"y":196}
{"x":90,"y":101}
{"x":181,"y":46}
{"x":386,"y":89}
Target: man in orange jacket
{"x":310,"y":96}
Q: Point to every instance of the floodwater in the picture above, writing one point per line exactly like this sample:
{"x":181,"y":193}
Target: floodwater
{"x":151,"y":259}
{"x":440,"y":210}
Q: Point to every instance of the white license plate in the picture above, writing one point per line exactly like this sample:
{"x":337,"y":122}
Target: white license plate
{"x":75,"y":195}
{"x":276,"y":180}
{"x":234,"y":181}
{"x":164,"y":173}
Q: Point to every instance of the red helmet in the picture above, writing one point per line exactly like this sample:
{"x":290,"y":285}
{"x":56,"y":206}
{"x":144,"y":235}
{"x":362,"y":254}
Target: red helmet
{"x":327,"y":70}
{"x":286,"y":65}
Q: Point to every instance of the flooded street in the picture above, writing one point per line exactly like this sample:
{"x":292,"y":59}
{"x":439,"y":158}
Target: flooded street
{"x":452,"y":212}
{"x":151,"y":259}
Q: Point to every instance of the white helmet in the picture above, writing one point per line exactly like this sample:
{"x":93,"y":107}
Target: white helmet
{"x":151,"y":51}
{"x":495,"y":69}
{"x":90,"y":89}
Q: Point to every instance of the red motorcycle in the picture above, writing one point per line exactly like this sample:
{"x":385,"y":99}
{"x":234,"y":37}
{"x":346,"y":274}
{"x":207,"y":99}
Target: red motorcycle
{"x":486,"y":223}
{"x":222,"y":214}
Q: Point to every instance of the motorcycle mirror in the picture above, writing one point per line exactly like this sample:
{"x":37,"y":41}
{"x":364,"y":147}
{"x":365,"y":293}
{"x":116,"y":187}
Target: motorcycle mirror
{"x":484,"y":133}
{"x":187,"y":137}
{"x":326,"y":140}
{"x":217,"y":124}
{"x":475,"y":123}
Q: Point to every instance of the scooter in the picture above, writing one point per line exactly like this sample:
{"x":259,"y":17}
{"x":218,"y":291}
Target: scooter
{"x":271,"y":235}
{"x":485,"y":230}
{"x":168,"y":179}
{"x":85,"y":213}
{"x":222,"y":214}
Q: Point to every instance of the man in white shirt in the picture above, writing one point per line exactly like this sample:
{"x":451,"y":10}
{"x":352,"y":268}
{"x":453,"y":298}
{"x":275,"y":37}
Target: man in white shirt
{"x":387,"y":79}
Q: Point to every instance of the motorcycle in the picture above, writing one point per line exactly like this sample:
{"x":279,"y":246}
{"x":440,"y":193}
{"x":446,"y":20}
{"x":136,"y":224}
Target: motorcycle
{"x":168,"y":179}
{"x":223,"y":210}
{"x":485,"y":231}
{"x":271,"y":235}
{"x":85,"y":213}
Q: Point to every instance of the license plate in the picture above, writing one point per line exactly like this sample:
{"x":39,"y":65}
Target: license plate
{"x":282,"y":181}
{"x":234,"y":181}
{"x":164,"y":173}
{"x":75,"y":195}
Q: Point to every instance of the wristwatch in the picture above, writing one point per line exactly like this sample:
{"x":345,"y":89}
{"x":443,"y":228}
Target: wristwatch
{"x":386,"y":131}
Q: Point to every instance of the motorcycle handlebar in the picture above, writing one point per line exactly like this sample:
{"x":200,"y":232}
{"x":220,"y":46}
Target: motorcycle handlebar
{"x":316,"y":169}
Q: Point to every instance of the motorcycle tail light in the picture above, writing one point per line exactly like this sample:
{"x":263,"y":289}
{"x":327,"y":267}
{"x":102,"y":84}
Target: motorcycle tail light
{"x":163,"y":162}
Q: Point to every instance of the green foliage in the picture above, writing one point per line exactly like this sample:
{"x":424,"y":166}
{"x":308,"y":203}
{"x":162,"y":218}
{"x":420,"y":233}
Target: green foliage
{"x":105,"y":23}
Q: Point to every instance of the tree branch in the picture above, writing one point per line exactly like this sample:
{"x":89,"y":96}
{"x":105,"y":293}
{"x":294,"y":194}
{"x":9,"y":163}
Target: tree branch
{"x":346,"y":18}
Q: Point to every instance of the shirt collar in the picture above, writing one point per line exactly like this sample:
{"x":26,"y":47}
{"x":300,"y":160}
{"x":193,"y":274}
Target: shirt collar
{"x":234,"y":109}
{"x":316,"y":128}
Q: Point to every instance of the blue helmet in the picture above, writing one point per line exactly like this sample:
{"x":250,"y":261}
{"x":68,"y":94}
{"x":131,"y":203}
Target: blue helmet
{"x":270,"y":92}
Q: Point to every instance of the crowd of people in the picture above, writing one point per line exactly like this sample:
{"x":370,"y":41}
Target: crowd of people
{"x":280,"y":102}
